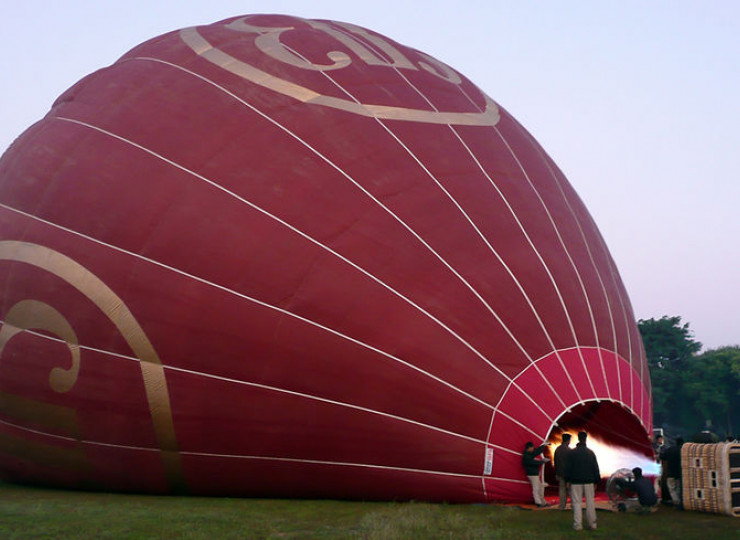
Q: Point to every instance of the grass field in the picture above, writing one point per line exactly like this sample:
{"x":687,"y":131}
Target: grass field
{"x":30,"y":513}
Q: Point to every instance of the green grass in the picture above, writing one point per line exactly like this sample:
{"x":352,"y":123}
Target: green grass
{"x":29,"y":513}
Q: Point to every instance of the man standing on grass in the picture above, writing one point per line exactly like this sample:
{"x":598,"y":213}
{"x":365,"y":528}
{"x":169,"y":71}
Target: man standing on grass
{"x":582,"y":473}
{"x":561,"y":455}
{"x":532,"y":467}
{"x":672,"y":458}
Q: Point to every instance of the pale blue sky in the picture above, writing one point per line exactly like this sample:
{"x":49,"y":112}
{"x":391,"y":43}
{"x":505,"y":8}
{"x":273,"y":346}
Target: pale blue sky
{"x":636,"y":101}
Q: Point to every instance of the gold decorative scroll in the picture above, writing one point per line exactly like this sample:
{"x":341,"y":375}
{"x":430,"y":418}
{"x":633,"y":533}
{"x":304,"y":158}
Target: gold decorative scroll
{"x":267,"y":40}
{"x":56,"y":417}
{"x":71,"y":459}
{"x":115,"y":309}
{"x":32,"y":314}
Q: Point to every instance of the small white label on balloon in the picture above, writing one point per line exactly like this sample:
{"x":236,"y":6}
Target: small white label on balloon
{"x":489,"y":462}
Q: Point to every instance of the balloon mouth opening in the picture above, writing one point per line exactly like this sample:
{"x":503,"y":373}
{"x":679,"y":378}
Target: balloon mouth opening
{"x":615,"y":434}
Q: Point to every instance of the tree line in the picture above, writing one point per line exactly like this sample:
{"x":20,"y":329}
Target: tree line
{"x":693,"y":391}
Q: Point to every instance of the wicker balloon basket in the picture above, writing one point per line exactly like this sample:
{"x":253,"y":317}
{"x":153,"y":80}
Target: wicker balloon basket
{"x":711,"y":477}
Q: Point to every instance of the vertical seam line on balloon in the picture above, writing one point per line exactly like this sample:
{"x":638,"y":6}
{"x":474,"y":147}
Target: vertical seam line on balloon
{"x":625,"y":314}
{"x":444,"y":262}
{"x":593,"y":263}
{"x":618,"y":290}
{"x":435,"y":180}
{"x":618,"y":359}
{"x":534,"y":249}
{"x":485,"y":240}
{"x":636,"y":343}
{"x":506,"y":266}
{"x":354,"y":182}
{"x":570,"y":259}
{"x":482,"y":236}
{"x":446,"y":192}
{"x":284,"y":391}
{"x":343,"y":173}
{"x":295,"y":230}
{"x":333,"y":463}
{"x":328,"y":401}
{"x":544,"y":264}
{"x":256,"y":301}
{"x":397,"y":218}
{"x":237,"y":456}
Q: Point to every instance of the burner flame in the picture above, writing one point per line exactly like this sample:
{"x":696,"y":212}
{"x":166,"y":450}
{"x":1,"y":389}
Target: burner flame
{"x":612,"y":457}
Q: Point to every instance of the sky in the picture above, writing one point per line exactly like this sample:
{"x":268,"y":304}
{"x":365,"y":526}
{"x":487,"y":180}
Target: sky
{"x":637,"y":102}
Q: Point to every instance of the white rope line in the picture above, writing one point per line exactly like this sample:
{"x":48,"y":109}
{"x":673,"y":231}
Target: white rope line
{"x":330,"y":463}
{"x":355,"y":183}
{"x":587,"y":245}
{"x":226,"y":379}
{"x":320,"y":245}
{"x":326,"y":401}
{"x":633,"y":344}
{"x":636,"y":344}
{"x":521,"y":227}
{"x":482,"y":236}
{"x":348,"y":177}
{"x":150,"y":449}
{"x":304,"y":236}
{"x":154,"y":450}
{"x":534,"y":249}
{"x":253,"y":300}
{"x":619,"y":290}
{"x":452,"y":199}
{"x":572,"y":263}
{"x":268,"y":388}
{"x":511,"y":273}
{"x":547,"y":163}
{"x":619,"y":359}
{"x":485,"y":240}
{"x":469,"y":220}
{"x":541,"y":259}
{"x":293,"y":393}
{"x":232,"y":456}
{"x":554,"y":225}
{"x":428,"y":173}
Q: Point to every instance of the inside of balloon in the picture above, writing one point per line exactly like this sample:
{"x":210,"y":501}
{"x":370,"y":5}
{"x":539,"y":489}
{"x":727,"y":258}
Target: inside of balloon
{"x":615,"y":435}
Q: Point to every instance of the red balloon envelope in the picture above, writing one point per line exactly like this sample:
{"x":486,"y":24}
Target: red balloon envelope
{"x":283,"y":257}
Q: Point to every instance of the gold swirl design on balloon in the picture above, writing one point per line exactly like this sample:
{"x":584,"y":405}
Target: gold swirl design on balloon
{"x":33,"y":314}
{"x":267,"y":40}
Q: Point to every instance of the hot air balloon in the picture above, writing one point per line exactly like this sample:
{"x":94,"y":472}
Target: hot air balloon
{"x":274,"y":256}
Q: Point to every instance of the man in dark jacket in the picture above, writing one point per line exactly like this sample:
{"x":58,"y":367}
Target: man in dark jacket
{"x":582,"y":473}
{"x":644,"y":489}
{"x":532,"y":467}
{"x":561,"y":455}
{"x":672,"y":458}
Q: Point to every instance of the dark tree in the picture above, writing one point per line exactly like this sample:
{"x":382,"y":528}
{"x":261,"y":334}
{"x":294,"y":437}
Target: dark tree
{"x":670,"y":347}
{"x":668,"y":344}
{"x":712,"y":386}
